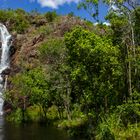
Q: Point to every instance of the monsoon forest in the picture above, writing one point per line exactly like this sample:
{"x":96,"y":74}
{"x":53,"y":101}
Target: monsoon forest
{"x":70,"y":70}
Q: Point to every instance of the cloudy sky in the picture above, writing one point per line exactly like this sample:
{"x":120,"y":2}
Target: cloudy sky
{"x":61,"y":6}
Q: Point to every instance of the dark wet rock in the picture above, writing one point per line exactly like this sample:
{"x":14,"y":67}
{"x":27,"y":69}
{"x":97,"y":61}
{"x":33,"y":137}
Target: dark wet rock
{"x":12,"y":50}
{"x":6,"y":71}
{"x":7,"y":107}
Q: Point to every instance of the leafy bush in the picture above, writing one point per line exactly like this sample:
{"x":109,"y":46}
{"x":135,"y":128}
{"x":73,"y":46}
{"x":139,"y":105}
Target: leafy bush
{"x":129,"y":113}
{"x":21,"y":24}
{"x":46,"y":30}
{"x":122,"y":124}
{"x":17,"y":19}
{"x":17,"y":116}
{"x":71,"y":14}
{"x":52,"y":50}
{"x":50,"y":16}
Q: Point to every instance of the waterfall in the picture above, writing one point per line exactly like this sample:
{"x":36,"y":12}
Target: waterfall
{"x":4,"y":62}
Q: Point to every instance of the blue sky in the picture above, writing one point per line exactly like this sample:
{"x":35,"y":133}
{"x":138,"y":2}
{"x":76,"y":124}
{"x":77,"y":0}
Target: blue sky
{"x":61,"y":6}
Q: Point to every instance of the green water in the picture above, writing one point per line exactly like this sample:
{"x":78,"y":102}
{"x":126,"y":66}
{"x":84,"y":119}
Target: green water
{"x":9,"y":131}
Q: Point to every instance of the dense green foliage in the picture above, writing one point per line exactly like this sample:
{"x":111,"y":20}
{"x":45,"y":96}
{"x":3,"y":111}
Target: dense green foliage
{"x":86,"y":81}
{"x":50,"y":16}
{"x":18,"y":19}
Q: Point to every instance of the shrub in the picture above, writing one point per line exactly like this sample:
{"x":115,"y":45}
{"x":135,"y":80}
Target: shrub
{"x":17,"y":116}
{"x":129,"y":113}
{"x":122,"y":124}
{"x":51,"y":50}
{"x":17,"y":19}
{"x":46,"y":30}
{"x":50,"y":16}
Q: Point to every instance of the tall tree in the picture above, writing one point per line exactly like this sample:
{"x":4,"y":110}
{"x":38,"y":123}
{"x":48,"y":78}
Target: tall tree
{"x":124,"y":9}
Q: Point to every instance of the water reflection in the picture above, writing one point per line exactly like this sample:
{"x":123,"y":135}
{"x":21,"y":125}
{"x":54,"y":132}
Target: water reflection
{"x":1,"y":128}
{"x":29,"y":132}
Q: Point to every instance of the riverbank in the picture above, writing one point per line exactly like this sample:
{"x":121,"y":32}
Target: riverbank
{"x":74,"y":127}
{"x":84,"y":127}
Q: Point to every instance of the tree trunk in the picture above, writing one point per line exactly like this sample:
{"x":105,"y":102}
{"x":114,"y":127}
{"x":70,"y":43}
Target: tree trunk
{"x":129,"y":73}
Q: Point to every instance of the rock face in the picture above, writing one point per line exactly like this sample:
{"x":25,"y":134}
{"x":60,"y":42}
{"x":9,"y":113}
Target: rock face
{"x":6,"y":71}
{"x":25,"y":45}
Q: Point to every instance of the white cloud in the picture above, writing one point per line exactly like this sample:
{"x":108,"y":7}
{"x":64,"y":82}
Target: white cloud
{"x":107,"y":24}
{"x":104,"y":23}
{"x":54,"y":3}
{"x":96,"y":23}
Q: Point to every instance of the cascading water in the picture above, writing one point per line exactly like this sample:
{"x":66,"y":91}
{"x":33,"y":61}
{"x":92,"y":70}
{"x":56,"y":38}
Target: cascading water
{"x":4,"y":63}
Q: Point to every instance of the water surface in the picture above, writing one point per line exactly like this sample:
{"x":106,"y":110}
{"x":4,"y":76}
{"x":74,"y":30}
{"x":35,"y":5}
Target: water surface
{"x":9,"y":131}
